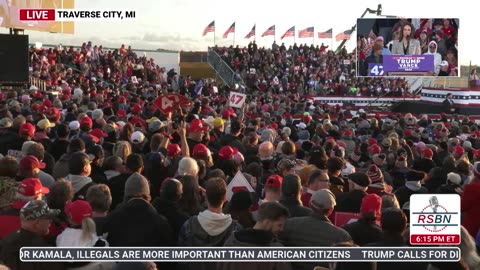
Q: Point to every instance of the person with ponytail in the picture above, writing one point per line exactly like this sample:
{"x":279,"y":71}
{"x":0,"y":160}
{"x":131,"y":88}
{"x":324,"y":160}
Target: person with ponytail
{"x":81,"y":232}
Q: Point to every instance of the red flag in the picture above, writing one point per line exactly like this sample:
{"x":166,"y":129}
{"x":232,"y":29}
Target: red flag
{"x":290,"y":33}
{"x":251,"y":33}
{"x":231,"y":29}
{"x":345,"y":35}
{"x":306,"y":33}
{"x":270,"y":31}
{"x":209,"y":28}
{"x":326,"y":34}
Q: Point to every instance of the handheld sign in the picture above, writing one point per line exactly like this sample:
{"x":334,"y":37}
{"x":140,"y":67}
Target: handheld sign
{"x":239,"y":182}
{"x":237,"y":99}
{"x":134,"y":79}
{"x":167,"y":103}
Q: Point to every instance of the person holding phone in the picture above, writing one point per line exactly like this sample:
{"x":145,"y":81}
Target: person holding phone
{"x":406,"y":45}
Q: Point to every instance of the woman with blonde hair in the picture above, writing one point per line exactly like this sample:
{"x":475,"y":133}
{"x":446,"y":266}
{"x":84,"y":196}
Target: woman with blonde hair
{"x":122,"y":149}
{"x":82,"y":232}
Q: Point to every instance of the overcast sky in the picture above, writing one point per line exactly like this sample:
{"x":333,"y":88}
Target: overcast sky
{"x":178,"y":24}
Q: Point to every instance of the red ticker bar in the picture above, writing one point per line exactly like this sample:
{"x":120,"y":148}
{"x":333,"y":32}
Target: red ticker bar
{"x":428,"y":239}
{"x":37,"y":14}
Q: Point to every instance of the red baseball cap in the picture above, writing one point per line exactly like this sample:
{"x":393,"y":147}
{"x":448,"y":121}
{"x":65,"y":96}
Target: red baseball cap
{"x":227,"y":152}
{"x":77,"y":211}
{"x":173,"y":149}
{"x":47,"y":103}
{"x":86,"y":122}
{"x":27,"y":129}
{"x":458,"y":150}
{"x":347,"y":133}
{"x":31,"y":162}
{"x":201,"y":150}
{"x":274,"y":126}
{"x":196,"y":126}
{"x":98,"y":133}
{"x":427,"y":153}
{"x":372,"y":141}
{"x":53,"y":113}
{"x":476,"y":152}
{"x":31,"y":187}
{"x":122,"y":99}
{"x":371,"y":203}
{"x":375,"y":149}
{"x":136,"y":108}
{"x":122,"y":113}
{"x":274,"y":181}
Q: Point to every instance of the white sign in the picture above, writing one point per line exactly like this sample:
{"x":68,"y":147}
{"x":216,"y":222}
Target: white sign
{"x":435,"y":219}
{"x":253,"y":71}
{"x":346,"y":62}
{"x":237,"y":99}
{"x":215,"y":89}
{"x":239,"y":182}
{"x":38,"y":45}
{"x":134,"y":79}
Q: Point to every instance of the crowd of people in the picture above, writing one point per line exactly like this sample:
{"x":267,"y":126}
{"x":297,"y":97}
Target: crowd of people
{"x":437,"y":37}
{"x":305,"y":70}
{"x":100,"y":164}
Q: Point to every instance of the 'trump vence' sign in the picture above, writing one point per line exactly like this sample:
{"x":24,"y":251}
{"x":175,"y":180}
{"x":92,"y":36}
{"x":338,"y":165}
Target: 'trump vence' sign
{"x":408,"y":63}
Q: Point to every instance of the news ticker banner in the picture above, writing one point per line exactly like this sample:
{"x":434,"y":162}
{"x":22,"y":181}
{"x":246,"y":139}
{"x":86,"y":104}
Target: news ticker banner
{"x":76,"y":15}
{"x":241,"y":254}
{"x":402,"y":63}
{"x":435,"y":219}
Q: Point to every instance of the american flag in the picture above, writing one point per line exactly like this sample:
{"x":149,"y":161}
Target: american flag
{"x":345,"y":35}
{"x":270,"y":31}
{"x":326,"y":34}
{"x":231,"y":29}
{"x":306,"y":33}
{"x":290,"y":33}
{"x":251,"y":33}
{"x":209,"y":28}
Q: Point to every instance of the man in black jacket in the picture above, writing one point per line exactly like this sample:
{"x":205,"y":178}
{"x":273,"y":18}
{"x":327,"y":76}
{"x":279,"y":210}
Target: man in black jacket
{"x":449,"y":104}
{"x":117,"y":183}
{"x":135,"y":223}
{"x":167,"y":204}
{"x":351,"y":201}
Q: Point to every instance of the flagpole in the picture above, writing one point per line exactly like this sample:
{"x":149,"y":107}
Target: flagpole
{"x":331,"y":41}
{"x":313,"y":36}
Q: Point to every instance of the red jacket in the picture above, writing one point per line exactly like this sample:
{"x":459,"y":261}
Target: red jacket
{"x":10,"y":219}
{"x":471,"y":207}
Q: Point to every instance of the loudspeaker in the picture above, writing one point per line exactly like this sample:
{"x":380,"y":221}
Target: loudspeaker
{"x":13,"y":59}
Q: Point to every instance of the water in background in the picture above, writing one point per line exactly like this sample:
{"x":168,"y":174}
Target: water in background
{"x":163,"y":59}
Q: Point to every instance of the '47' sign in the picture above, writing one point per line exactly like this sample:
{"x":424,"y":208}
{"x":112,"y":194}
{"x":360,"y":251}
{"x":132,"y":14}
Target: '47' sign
{"x":237,"y":99}
{"x":167,"y":103}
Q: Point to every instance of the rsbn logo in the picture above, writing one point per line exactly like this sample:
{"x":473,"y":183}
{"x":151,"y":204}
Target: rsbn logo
{"x":435,"y":219}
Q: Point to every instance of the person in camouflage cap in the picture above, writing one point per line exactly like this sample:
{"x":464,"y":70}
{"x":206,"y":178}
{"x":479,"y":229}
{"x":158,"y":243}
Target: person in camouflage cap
{"x":35,"y":219}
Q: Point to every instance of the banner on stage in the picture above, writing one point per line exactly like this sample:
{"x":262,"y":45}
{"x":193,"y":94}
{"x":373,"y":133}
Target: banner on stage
{"x":408,"y":63}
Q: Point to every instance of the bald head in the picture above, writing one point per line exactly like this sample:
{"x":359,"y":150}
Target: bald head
{"x":265,"y":149}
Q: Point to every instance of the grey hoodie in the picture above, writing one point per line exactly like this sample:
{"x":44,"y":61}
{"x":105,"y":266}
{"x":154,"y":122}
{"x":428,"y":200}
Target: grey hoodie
{"x":78,"y":181}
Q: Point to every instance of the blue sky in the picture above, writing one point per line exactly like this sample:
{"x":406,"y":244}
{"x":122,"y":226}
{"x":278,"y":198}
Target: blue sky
{"x":178,"y":24}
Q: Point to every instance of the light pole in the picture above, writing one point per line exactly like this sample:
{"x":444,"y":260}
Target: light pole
{"x":378,"y":11}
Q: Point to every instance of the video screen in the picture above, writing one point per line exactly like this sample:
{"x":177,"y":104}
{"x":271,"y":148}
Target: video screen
{"x":10,"y":11}
{"x":408,"y":47}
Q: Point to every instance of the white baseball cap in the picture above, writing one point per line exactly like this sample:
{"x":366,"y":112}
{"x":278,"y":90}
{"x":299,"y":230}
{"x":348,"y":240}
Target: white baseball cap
{"x":444,"y":63}
{"x":74,"y":125}
{"x":137,"y":137}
